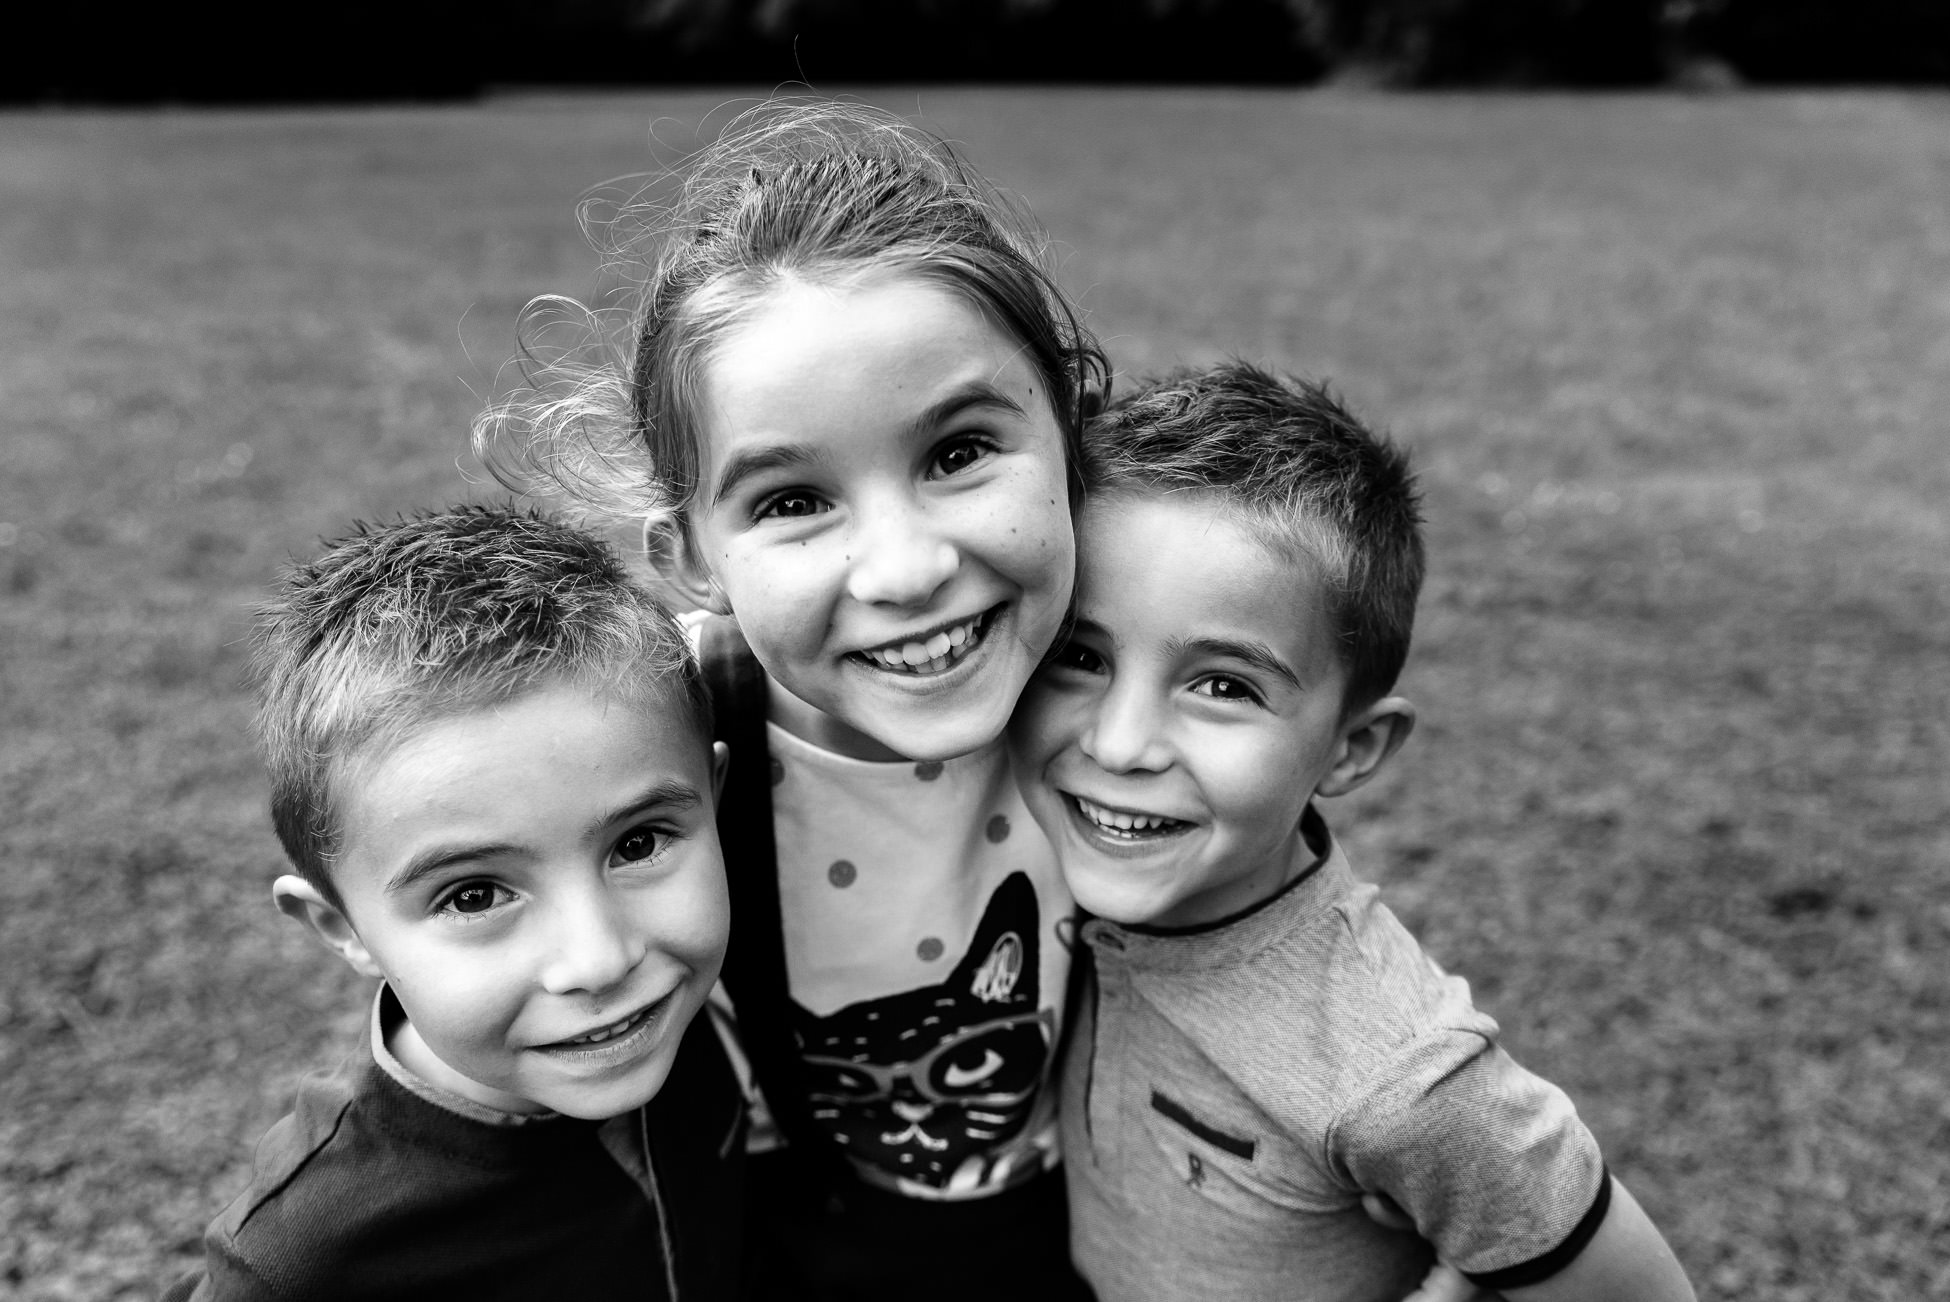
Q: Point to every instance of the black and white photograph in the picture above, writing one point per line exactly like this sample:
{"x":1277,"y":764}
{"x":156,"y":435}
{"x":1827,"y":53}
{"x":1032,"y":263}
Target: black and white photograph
{"x":843,"y":650}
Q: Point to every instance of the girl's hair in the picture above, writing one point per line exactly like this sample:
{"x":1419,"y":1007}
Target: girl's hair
{"x":793,"y":190}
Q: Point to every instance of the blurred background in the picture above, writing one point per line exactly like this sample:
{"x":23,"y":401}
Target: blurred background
{"x":238,"y":51}
{"x":1658,"y":295}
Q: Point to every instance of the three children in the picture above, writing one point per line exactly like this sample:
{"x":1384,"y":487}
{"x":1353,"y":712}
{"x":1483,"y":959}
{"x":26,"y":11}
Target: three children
{"x":492,"y":768}
{"x":851,"y":423}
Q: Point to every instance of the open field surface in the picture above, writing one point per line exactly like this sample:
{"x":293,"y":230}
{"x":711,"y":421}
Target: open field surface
{"x":1676,"y":374}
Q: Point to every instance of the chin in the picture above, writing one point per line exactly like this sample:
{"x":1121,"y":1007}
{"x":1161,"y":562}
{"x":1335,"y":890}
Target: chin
{"x":936,"y":738}
{"x":613,"y":1101}
{"x":1116,"y":901}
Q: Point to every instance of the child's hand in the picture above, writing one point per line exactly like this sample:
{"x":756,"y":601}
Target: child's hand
{"x":1446,"y":1284}
{"x":1442,"y":1283}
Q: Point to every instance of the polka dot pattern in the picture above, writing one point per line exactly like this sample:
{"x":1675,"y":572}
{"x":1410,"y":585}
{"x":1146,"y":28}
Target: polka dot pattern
{"x":842,"y":874}
{"x":778,"y":773}
{"x":928,"y":770}
{"x":929,"y":949}
{"x":998,"y":829}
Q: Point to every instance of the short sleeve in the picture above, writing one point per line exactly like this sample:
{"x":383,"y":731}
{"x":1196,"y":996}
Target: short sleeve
{"x":1490,"y":1161}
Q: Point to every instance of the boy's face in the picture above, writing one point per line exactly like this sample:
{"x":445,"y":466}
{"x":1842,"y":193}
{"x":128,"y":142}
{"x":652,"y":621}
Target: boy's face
{"x":883,"y":507}
{"x":540,"y":883}
{"x":1171,"y":747}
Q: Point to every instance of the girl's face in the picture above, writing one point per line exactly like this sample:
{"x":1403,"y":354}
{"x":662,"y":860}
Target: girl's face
{"x":882,"y":506}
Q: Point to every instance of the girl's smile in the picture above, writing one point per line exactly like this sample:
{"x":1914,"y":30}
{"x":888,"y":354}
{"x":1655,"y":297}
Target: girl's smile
{"x":882,"y":505}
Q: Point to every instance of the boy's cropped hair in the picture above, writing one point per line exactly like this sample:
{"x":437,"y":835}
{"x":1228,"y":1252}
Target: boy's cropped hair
{"x":397,"y":625}
{"x":1300,"y":469}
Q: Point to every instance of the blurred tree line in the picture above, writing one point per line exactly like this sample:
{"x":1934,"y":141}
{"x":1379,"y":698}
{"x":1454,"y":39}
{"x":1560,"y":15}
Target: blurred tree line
{"x":356,"y":49}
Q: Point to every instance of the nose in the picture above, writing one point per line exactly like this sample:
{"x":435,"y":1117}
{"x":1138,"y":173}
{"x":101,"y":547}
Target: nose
{"x":1125,"y":734}
{"x":901,"y":556}
{"x":592,"y":945}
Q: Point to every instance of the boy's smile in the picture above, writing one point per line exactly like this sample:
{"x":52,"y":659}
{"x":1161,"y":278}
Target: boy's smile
{"x":1170,"y":748}
{"x":883,"y":507}
{"x":540,"y":884}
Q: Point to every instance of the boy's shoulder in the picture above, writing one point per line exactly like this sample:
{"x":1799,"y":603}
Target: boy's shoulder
{"x":367,"y":1189}
{"x":1325,"y":984}
{"x":251,"y":1244}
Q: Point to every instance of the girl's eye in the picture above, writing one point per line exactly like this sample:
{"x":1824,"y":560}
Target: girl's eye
{"x":1223,"y":687}
{"x":472,"y":898}
{"x":638,"y":844}
{"x":791,"y":505}
{"x":959,"y":455}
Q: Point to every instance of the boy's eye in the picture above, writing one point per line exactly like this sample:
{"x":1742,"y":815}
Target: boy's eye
{"x":1225,"y":688}
{"x":1075,"y":655}
{"x":959,"y":455}
{"x":472,"y":898}
{"x":791,"y":505}
{"x":638,"y":844}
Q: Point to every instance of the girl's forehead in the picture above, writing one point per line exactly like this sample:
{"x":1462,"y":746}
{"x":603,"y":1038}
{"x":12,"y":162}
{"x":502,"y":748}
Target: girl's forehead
{"x":813,"y":362}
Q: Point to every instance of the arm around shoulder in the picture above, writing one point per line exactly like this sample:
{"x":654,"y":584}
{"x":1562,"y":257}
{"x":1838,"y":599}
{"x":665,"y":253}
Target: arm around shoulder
{"x":1627,"y":1260}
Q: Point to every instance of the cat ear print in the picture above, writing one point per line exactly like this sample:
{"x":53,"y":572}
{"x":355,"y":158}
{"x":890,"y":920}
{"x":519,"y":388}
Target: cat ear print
{"x":1003,"y":963}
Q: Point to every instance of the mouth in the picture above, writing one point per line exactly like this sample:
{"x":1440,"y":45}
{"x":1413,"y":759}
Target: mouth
{"x":618,"y":1040}
{"x":1124,"y":825}
{"x":934,"y":652}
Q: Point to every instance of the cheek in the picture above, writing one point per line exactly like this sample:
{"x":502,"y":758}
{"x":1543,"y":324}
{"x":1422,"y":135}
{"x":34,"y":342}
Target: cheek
{"x":1038,"y":539}
{"x":771,"y":590}
{"x":691,"y":923}
{"x":1268,"y":785}
{"x":1048,"y":724}
{"x":458,"y":1007}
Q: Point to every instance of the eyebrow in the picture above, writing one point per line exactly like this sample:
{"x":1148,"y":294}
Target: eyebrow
{"x":756,"y":461}
{"x":792,"y":456}
{"x":1256,"y":654}
{"x":670,"y":795}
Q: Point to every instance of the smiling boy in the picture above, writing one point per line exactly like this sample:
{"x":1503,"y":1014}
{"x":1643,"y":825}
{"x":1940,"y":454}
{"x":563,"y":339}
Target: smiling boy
{"x":491,"y":767}
{"x":1262,"y":1045}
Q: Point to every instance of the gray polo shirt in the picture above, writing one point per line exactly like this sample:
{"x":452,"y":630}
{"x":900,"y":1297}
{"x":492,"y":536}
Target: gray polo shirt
{"x":1231,"y":1092}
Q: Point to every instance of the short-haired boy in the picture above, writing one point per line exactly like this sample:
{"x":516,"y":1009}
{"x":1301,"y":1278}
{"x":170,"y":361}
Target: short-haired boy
{"x":1262,"y":1045}
{"x":491,"y":764}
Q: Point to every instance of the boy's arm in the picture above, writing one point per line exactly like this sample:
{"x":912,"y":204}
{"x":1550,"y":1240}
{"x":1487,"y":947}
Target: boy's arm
{"x":1627,"y":1260}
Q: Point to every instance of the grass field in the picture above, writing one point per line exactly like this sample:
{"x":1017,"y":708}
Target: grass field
{"x":1676,"y":374}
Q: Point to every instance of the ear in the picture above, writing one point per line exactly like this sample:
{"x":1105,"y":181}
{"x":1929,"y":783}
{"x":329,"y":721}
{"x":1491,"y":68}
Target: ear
{"x":1368,"y":738}
{"x":720,"y":759}
{"x":668,"y":548}
{"x":298,"y":898}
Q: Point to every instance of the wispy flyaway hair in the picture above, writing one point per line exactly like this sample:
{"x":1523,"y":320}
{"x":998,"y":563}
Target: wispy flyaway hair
{"x":1303,"y":473}
{"x":397,"y":625}
{"x":792,"y":191}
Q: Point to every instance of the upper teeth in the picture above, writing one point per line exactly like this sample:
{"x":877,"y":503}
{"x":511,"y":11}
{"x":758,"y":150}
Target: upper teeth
{"x":1120,"y":820}
{"x":609,"y":1032}
{"x":923,"y":653}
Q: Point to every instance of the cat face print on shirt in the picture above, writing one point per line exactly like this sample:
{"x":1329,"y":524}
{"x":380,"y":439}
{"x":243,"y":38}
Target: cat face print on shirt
{"x":928,"y":1086}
